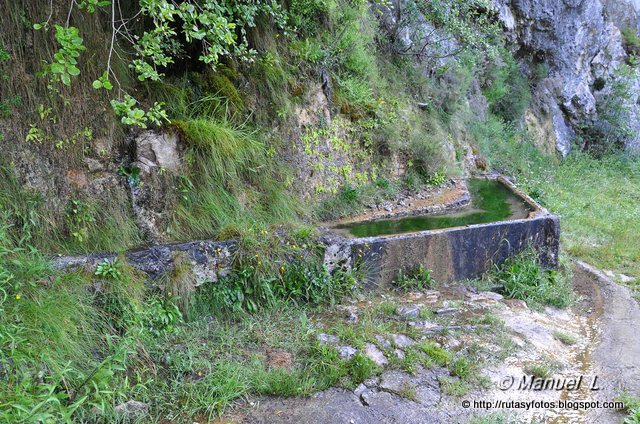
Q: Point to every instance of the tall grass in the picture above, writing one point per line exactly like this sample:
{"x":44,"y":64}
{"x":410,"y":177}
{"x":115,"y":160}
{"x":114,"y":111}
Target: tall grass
{"x":596,"y":198}
{"x":231,"y":184}
{"x":523,"y":278}
{"x":105,"y":224}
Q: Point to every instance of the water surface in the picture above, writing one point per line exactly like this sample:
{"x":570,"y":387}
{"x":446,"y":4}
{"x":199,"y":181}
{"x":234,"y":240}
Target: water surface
{"x":490,"y":201}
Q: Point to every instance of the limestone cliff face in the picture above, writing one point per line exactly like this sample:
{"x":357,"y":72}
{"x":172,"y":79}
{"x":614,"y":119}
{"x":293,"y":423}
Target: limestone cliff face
{"x":580,"y":41}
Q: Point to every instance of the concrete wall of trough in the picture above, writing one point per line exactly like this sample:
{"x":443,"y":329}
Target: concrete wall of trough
{"x":451,"y":254}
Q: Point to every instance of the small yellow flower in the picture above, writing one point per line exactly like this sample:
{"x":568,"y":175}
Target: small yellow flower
{"x":18,"y":297}
{"x":282,"y":269}
{"x":199,"y":373}
{"x":259,"y":262}
{"x":277,"y":35}
{"x":169,"y":293}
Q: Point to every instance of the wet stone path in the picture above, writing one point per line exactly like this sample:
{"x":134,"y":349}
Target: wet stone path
{"x":593,"y":338}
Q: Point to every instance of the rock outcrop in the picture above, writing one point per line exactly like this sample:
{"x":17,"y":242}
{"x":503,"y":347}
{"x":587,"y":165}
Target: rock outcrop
{"x":581,"y":43}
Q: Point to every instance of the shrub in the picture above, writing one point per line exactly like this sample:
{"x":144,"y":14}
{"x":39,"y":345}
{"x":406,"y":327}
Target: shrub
{"x":307,"y":15}
{"x":300,"y":279}
{"x":506,"y":89}
{"x":566,"y":338}
{"x":631,"y":41}
{"x":539,"y":370}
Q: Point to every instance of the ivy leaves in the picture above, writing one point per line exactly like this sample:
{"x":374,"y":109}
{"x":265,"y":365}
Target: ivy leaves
{"x":66,"y":58}
{"x":130,"y":114}
{"x":103,"y":82}
{"x":93,"y":5}
{"x":220,"y":26}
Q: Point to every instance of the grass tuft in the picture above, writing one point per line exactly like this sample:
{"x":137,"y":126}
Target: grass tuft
{"x":523,"y":278}
{"x":566,"y":338}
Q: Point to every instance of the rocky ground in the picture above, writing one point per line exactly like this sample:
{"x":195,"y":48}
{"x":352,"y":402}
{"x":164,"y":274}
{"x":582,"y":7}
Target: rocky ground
{"x":461,"y":344}
{"x":450,"y":196}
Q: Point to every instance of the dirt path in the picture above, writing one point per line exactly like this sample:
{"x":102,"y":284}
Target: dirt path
{"x":604,"y":323}
{"x":616,"y":356}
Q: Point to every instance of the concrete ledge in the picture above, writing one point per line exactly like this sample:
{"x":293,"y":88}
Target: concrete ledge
{"x":454,"y":254}
{"x":208,"y":260}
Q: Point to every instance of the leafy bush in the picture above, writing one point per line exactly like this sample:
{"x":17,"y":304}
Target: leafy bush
{"x":109,"y":269}
{"x":506,"y":89}
{"x":161,"y":315}
{"x":631,"y":41}
{"x":306,"y":15}
{"x":469,"y":22}
{"x":613,"y":128}
{"x":300,"y":280}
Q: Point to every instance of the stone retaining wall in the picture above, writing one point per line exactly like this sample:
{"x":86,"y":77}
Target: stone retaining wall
{"x":208,"y":260}
{"x":451,"y":254}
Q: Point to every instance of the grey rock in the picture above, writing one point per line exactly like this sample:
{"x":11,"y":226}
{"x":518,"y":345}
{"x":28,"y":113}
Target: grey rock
{"x":371,"y":382}
{"x":516,"y":303}
{"x":132,"y":407}
{"x":360,"y":389}
{"x":402,"y":341}
{"x":336,"y":253}
{"x":375,"y":354}
{"x":393,"y":381}
{"x":328,"y":339}
{"x":399,"y":354}
{"x":346,"y":352}
{"x":484,"y":298}
{"x":408,"y":312}
{"x":491,"y":295}
{"x":425,"y":384}
{"x":383,"y":342}
{"x":350,"y":313}
{"x":93,"y":165}
{"x":158,"y":150}
{"x":443,"y":311}
{"x":366,"y":397}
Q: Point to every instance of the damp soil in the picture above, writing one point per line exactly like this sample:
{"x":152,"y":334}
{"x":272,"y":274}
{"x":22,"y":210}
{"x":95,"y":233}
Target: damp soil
{"x":491,"y":201}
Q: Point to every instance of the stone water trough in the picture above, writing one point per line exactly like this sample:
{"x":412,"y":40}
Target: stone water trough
{"x":455,"y":253}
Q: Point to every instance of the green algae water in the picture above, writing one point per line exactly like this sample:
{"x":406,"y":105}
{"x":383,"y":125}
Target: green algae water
{"x":491,"y":201}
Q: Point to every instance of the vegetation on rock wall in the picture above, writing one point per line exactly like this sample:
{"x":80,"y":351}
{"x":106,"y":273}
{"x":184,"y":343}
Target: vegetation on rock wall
{"x":236,"y":80}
